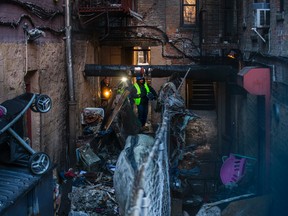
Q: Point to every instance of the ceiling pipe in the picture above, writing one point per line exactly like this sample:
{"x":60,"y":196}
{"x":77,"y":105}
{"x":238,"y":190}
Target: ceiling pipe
{"x":199,"y":72}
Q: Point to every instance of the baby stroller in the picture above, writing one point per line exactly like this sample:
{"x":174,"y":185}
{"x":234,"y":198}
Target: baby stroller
{"x":14,"y":149}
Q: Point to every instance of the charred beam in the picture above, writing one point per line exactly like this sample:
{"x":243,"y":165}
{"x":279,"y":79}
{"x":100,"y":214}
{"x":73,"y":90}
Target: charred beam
{"x":199,"y":72}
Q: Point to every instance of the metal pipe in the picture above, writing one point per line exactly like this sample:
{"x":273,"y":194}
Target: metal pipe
{"x":208,"y":72}
{"x":71,"y":91}
{"x":23,"y":143}
{"x":69,"y":52}
{"x":179,"y":87}
{"x":254,"y":29}
{"x":7,"y":126}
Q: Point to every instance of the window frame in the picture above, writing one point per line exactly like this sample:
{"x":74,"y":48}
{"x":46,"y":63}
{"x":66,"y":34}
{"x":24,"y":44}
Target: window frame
{"x":183,"y":5}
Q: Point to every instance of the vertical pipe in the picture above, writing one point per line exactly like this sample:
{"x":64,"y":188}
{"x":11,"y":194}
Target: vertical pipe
{"x":70,"y":77}
{"x":69,"y":52}
{"x":268,"y":140}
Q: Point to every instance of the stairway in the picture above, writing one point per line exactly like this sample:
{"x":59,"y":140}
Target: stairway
{"x":202,"y":95}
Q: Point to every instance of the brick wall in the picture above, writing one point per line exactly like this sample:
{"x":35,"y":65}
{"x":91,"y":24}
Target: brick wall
{"x":272,"y":53}
{"x":162,"y":22}
{"x":278,"y":30}
{"x":279,"y":152}
{"x":275,"y":36}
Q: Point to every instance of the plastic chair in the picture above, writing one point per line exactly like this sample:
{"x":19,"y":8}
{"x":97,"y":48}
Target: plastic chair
{"x":233,"y":169}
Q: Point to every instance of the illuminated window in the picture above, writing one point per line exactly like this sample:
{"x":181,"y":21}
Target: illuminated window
{"x":188,"y":12}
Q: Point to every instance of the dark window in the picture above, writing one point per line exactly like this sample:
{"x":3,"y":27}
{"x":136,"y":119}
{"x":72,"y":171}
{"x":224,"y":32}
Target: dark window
{"x":189,"y":11}
{"x":281,"y":5}
{"x":261,"y":1}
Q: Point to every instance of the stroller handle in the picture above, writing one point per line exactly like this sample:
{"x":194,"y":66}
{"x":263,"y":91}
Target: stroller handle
{"x":18,"y":115}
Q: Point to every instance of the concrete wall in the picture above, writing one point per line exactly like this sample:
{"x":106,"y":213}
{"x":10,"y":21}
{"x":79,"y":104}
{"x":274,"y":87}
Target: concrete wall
{"x":45,"y":71}
{"x":45,"y":15}
{"x":45,"y":74}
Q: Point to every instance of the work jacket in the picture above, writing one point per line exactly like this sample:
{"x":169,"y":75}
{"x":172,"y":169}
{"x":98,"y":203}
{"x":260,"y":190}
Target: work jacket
{"x":136,"y":85}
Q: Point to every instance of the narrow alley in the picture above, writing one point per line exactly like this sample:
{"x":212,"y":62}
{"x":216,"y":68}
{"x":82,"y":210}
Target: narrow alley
{"x":130,"y":107}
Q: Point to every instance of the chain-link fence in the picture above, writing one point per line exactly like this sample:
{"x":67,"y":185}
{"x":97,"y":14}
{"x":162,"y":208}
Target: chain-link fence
{"x":142,"y":176}
{"x":151,"y":190}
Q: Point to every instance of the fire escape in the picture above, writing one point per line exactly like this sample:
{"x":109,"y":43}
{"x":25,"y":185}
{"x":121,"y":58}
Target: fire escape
{"x":218,"y":34}
{"x":101,"y":15}
{"x":220,"y":28}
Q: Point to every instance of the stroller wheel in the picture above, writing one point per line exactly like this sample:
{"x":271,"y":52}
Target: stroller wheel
{"x":39,"y":163}
{"x":42,"y":104}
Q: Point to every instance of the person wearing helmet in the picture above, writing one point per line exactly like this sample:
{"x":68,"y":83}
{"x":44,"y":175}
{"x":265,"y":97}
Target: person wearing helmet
{"x":141,"y":93}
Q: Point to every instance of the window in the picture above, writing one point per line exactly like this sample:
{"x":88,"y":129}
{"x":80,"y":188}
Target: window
{"x":281,"y":6}
{"x":188,"y":12}
{"x":261,"y":1}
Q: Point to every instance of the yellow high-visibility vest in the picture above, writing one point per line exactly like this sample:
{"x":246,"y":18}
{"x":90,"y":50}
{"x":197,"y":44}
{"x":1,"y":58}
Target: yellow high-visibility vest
{"x":138,"y":100}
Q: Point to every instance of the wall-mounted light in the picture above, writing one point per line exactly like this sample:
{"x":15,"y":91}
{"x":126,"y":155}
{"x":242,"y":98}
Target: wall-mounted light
{"x":234,"y":54}
{"x":107,"y":93}
{"x":33,"y":34}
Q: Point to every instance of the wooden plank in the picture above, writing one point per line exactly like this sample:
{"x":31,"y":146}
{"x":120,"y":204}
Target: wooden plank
{"x":117,"y":108}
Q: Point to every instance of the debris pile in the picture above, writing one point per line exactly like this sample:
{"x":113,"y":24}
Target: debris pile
{"x":91,"y":119}
{"x":92,"y":191}
{"x":95,"y":198}
{"x":92,"y":180}
{"x":188,"y":165}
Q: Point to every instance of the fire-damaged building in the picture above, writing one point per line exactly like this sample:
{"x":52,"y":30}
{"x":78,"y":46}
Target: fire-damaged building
{"x":217,"y":128}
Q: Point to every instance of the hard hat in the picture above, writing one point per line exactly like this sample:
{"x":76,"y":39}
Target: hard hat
{"x":139,"y":77}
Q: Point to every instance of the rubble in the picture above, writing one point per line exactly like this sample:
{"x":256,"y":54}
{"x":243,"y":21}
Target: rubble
{"x":98,"y":151}
{"x":92,"y":180}
{"x":92,"y":191}
{"x":94,"y":200}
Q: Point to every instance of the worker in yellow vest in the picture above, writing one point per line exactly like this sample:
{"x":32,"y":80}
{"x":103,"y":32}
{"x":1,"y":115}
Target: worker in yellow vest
{"x":141,"y":93}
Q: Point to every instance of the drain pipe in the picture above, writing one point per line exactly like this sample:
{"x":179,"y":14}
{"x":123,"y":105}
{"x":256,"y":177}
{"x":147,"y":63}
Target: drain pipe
{"x":72,"y":103}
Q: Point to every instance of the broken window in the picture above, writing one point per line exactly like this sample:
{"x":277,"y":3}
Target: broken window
{"x":189,"y":9}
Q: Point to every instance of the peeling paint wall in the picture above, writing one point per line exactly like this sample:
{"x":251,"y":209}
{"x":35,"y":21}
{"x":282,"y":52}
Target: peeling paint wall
{"x":45,"y":71}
